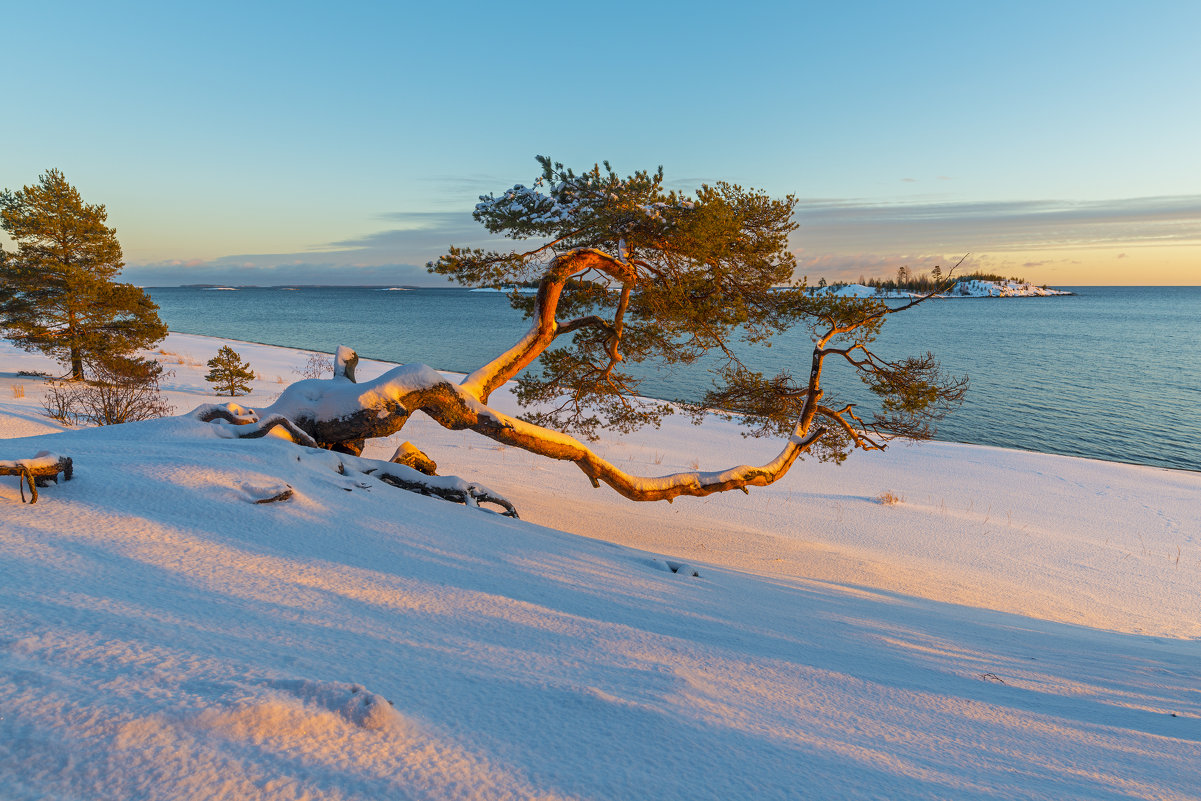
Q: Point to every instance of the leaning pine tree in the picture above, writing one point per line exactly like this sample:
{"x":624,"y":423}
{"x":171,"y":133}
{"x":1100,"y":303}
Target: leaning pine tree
{"x":628,"y":272}
{"x":228,"y":373}
{"x":57,"y":291}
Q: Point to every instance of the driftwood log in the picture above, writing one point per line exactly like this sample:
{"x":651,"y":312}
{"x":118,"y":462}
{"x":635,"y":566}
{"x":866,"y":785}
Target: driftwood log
{"x":37,"y":472}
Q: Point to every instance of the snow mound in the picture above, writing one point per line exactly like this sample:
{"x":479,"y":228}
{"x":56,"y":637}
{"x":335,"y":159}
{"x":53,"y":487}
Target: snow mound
{"x":1023,"y":626}
{"x":267,"y":492}
{"x":299,"y":707}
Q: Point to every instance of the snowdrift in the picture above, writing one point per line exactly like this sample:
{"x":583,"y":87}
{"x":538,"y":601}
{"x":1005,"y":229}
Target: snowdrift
{"x":942,"y":621}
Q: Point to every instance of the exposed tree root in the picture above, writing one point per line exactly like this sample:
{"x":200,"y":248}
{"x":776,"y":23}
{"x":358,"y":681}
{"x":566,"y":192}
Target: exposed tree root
{"x":449,"y":488}
{"x":409,"y":468}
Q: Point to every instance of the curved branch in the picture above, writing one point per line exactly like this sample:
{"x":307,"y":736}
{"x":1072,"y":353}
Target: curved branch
{"x":857,"y":435}
{"x":527,"y":436}
{"x":614,"y":342}
{"x":591,"y":321}
{"x":947,"y":282}
{"x":263,"y":428}
{"x":448,"y":488}
{"x":249,"y":426}
{"x":484,"y":381}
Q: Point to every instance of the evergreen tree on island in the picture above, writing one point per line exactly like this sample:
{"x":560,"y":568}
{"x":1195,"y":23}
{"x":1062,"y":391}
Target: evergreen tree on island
{"x":229,"y":373}
{"x":57,"y":291}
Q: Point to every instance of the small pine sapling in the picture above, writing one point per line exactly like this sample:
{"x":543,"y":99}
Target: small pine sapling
{"x":229,"y":373}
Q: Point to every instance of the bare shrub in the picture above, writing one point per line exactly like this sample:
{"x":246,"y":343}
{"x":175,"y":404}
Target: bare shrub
{"x":888,"y":499}
{"x":119,"y":390}
{"x":317,"y":366}
{"x":60,"y":403}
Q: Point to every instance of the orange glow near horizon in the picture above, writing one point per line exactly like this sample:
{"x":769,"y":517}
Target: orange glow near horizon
{"x":1131,"y":265}
{"x":1139,"y":265}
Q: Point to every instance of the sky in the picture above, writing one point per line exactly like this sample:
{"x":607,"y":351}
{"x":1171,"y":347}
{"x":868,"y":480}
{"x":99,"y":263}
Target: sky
{"x":271,"y":143}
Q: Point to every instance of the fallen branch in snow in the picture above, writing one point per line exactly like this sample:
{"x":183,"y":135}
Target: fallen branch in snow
{"x":239,"y":416}
{"x":409,"y":468}
{"x":270,"y":494}
{"x":37,"y":471}
{"x":448,"y":488}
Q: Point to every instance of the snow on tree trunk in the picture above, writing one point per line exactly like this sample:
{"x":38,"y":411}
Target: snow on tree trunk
{"x":37,"y":471}
{"x":336,"y":414}
{"x":345,"y":360}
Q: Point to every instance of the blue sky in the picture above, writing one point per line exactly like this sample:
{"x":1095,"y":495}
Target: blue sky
{"x":301,"y":142}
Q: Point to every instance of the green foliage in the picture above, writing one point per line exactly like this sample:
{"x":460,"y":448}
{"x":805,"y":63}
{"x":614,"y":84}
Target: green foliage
{"x":934,"y":281}
{"x":705,"y":263}
{"x":57,"y":291}
{"x":673,"y":277}
{"x":228,"y":373}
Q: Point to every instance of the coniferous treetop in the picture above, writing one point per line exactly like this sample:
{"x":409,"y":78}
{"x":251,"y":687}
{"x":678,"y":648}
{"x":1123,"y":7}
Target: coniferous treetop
{"x":58,"y":294}
{"x":634,"y":272}
{"x":228,"y":373}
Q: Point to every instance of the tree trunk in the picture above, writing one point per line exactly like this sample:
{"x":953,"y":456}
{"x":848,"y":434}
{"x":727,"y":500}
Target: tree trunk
{"x":352,"y":413}
{"x":76,"y":364}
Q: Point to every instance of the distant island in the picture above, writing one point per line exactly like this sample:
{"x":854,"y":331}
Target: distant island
{"x":384,"y":287}
{"x":976,"y":285}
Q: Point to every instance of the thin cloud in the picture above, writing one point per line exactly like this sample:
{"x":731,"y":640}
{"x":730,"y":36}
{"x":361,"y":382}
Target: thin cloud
{"x":419,"y":232}
{"x":834,"y":225}
{"x":480,"y":183}
{"x":839,"y":238}
{"x":263,"y":271}
{"x":391,"y":256}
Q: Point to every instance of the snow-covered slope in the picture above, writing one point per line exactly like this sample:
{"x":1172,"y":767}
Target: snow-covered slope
{"x":973,"y":288}
{"x":1016,"y":626}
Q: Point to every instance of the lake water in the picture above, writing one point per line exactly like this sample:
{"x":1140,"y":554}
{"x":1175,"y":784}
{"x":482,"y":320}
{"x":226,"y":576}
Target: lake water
{"x":1110,"y":373}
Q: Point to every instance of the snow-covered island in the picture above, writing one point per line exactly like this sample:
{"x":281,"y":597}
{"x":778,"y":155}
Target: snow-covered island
{"x":936,"y":621}
{"x":969,"y":288}
{"x":521,"y":290}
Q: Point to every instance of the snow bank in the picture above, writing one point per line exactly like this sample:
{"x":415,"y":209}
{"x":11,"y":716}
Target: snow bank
{"x":1014,"y":626}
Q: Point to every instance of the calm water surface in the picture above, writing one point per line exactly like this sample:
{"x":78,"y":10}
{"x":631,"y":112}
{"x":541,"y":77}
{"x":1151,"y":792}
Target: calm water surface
{"x":1110,"y":373}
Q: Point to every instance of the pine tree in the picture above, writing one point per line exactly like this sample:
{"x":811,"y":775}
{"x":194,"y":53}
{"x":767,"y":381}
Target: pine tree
{"x":630,"y":272}
{"x":229,"y":373}
{"x":57,"y":291}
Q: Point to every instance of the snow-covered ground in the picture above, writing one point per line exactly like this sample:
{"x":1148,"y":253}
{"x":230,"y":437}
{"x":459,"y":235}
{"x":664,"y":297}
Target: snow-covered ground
{"x":974,"y":288}
{"x":1014,"y":625}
